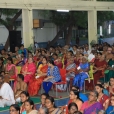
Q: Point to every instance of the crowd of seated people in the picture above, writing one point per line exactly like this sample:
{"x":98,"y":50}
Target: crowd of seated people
{"x":42,"y":70}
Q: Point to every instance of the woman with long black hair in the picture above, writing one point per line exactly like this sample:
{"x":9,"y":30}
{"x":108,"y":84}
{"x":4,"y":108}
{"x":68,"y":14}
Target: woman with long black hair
{"x":50,"y":105}
{"x":29,"y":107}
{"x":14,"y":109}
{"x":102,"y":98}
{"x":74,"y":97}
{"x":53,"y":75}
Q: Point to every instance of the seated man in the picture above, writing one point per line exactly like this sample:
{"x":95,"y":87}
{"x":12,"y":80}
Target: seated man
{"x":6,"y":93}
{"x":82,"y":96}
{"x":20,"y":86}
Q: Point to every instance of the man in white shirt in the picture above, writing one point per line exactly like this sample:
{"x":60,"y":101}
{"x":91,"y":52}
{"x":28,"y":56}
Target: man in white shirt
{"x":6,"y":93}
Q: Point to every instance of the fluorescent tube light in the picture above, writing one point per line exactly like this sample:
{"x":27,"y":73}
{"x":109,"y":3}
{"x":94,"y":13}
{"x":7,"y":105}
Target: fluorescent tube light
{"x":63,"y":10}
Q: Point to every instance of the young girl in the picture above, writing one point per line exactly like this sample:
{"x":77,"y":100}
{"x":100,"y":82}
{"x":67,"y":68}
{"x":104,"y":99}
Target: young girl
{"x":102,"y":98}
{"x":24,"y":96}
{"x":29,"y":107}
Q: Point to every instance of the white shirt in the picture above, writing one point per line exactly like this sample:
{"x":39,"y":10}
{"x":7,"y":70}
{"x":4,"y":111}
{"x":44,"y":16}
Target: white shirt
{"x":6,"y":93}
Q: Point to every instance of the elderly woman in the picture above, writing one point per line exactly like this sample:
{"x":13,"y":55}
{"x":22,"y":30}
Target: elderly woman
{"x":91,"y":106}
{"x":70,"y":69}
{"x":43,"y":110}
{"x":83,"y":73}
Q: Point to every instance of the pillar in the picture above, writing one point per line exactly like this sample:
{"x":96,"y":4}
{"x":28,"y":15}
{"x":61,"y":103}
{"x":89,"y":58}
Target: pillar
{"x":92,"y":26}
{"x":27,"y":20}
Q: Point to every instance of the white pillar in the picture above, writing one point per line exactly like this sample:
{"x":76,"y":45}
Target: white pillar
{"x":92,"y":26}
{"x":27,"y":20}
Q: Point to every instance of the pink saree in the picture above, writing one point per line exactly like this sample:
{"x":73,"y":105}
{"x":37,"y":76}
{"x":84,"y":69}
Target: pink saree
{"x":31,"y":68}
{"x":91,"y":109}
{"x":9,"y":67}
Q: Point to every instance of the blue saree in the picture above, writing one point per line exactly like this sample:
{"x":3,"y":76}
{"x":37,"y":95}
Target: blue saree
{"x":80,"y":78}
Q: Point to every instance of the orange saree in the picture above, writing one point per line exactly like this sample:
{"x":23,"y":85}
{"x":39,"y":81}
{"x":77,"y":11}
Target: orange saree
{"x":35,"y":84}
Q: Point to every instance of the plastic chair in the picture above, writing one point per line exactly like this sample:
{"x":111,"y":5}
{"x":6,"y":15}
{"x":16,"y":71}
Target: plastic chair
{"x":63,"y":80}
{"x":91,"y":78}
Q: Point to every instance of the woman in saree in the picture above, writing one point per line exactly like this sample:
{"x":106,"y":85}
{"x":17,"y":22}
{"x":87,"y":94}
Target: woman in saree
{"x":10,"y":70}
{"x":80,"y":57}
{"x":111,"y":87}
{"x":72,"y":107}
{"x":29,"y":107}
{"x":50,"y":105}
{"x":82,"y":73}
{"x":99,"y":67}
{"x":28,"y":70}
{"x":102,"y":98}
{"x":70,"y":69}
{"x":74,"y":97}
{"x":19,"y":61}
{"x":110,"y":109}
{"x":24,"y":96}
{"x":91,"y":106}
{"x":68,"y":56}
{"x":110,"y":68}
{"x":36,"y":56}
{"x":35,"y":83}
{"x":59,"y":63}
{"x":1,"y":64}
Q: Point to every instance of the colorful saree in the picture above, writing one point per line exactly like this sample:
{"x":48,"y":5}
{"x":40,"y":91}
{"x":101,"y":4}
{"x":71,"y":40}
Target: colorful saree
{"x":8,"y":68}
{"x":35,"y":84}
{"x":71,"y":69}
{"x":110,"y":110}
{"x":104,"y":99}
{"x":91,"y":109}
{"x":31,"y":68}
{"x":99,"y":73}
{"x":58,"y":64}
{"x":110,"y":94}
{"x":110,"y":74}
{"x":80,"y":77}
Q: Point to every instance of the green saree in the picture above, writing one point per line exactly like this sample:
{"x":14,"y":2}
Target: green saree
{"x":110,"y":74}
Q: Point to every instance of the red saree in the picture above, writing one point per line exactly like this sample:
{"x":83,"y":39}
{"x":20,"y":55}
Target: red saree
{"x":109,"y":92}
{"x":59,"y":64}
{"x":103,"y":99}
{"x":99,"y":73}
{"x":35,"y":84}
{"x":29,"y":67}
